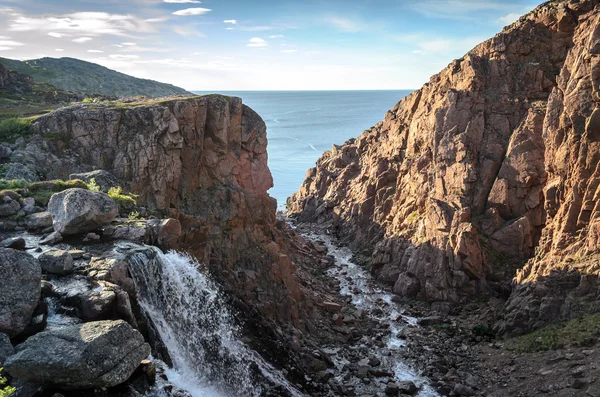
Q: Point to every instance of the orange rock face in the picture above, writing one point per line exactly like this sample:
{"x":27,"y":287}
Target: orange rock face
{"x":496,"y":157}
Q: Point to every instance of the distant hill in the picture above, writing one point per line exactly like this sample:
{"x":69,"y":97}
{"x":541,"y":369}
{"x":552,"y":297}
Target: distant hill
{"x":72,"y":74}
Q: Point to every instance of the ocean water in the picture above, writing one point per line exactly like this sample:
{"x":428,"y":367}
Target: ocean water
{"x":301,"y":125}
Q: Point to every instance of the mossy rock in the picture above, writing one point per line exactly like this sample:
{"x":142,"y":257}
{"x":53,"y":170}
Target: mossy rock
{"x":42,"y":191}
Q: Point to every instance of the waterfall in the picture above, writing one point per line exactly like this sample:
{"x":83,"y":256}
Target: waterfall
{"x":189,"y":312}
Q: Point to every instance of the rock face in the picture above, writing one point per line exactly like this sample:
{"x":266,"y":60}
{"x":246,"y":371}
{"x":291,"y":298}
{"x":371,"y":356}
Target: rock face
{"x":20,"y":288}
{"x":201,"y":161}
{"x":494,"y":161}
{"x":76,"y":211}
{"x":95,"y":354}
{"x":104,"y":179}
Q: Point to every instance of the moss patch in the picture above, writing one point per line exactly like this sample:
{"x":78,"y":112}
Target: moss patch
{"x":14,"y":128}
{"x":582,"y":331}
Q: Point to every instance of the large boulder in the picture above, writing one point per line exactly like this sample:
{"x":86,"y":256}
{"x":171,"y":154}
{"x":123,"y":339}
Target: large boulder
{"x":91,"y":355}
{"x":104,"y":179}
{"x":76,"y":211}
{"x":20,"y":288}
{"x":6,"y":349}
{"x":40,"y":220}
{"x":56,"y":261}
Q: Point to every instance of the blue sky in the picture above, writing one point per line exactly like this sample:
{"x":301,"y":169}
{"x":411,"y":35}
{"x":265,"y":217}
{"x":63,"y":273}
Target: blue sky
{"x":258,"y":45}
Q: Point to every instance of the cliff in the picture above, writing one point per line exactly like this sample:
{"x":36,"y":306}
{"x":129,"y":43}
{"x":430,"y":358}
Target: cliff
{"x":201,"y":160}
{"x":491,"y":166}
{"x":72,"y":74}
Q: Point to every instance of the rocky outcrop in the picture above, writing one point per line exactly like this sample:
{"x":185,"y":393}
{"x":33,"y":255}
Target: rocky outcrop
{"x":19,"y":290}
{"x":201,"y":161}
{"x":91,"y":355}
{"x":77,"y":211}
{"x":491,"y":163}
{"x":14,"y":83}
{"x":104,"y":179}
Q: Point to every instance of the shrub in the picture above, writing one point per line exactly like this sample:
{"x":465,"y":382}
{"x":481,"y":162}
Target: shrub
{"x":13,"y":128}
{"x":134,"y":216}
{"x":89,"y":100}
{"x":13,"y":184}
{"x":125,"y":201}
{"x":93,"y":186}
{"x":5,"y":391}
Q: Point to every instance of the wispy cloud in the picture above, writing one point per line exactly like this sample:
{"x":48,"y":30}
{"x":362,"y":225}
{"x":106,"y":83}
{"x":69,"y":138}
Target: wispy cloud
{"x":122,"y":57}
{"x":7,"y":44}
{"x":81,"y":40}
{"x":277,"y":36}
{"x":187,"y":31}
{"x":447,"y":46}
{"x":192,"y":11}
{"x":289,"y":51}
{"x":182,"y":1}
{"x":345,"y":24}
{"x":257,"y":42}
{"x":58,"y":50}
{"x":509,"y":18}
{"x":231,"y":21}
{"x":95,"y":51}
{"x":57,"y":35}
{"x":96,"y":23}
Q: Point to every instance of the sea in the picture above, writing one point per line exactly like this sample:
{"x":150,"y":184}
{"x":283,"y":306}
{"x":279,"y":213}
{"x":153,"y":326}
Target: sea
{"x":301,"y":125}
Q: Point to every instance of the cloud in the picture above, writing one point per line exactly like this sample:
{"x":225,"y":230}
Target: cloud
{"x":129,"y":44}
{"x":91,"y":23}
{"x":122,"y":57}
{"x":509,"y":18}
{"x":255,"y":28}
{"x":231,"y":21}
{"x":277,"y":36}
{"x":228,"y":28}
{"x":447,"y":46}
{"x":289,"y":51}
{"x":345,"y":24}
{"x":82,"y":40}
{"x":95,"y":51}
{"x":187,"y":31}
{"x":192,"y":11}
{"x":5,"y":42}
{"x":57,"y":35}
{"x":182,"y":1}
{"x":257,"y":42}
{"x":58,"y":49}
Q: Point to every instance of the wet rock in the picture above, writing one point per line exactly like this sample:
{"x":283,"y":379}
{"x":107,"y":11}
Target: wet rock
{"x":52,"y":238}
{"x":56,"y":261}
{"x":17,"y":243}
{"x":407,"y":387}
{"x":104,"y":179}
{"x":374,"y":361}
{"x":462,"y":390}
{"x":91,"y":237}
{"x":6,"y":348}
{"x":40,"y":220}
{"x":78,"y":211}
{"x":432,"y":320}
{"x":20,"y":288}
{"x":97,"y":304}
{"x":332,"y":307}
{"x":392,"y":389}
{"x":91,"y":355}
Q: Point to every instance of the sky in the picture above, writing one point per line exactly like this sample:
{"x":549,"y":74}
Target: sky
{"x":258,"y":45}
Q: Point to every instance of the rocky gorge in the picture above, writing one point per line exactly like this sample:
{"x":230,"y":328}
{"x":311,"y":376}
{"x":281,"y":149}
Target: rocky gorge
{"x":449,"y":250}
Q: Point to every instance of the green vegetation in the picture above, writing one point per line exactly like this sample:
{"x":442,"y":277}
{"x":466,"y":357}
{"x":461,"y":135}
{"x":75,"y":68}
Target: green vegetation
{"x":581,"y":331}
{"x":75,"y":75}
{"x":134,"y":216}
{"x":93,"y":186}
{"x":5,"y":391}
{"x":13,"y":128}
{"x":40,"y":191}
{"x":13,"y":184}
{"x":125,"y":201}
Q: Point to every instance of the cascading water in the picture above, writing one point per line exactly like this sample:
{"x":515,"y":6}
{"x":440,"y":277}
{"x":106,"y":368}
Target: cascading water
{"x":198,"y":330}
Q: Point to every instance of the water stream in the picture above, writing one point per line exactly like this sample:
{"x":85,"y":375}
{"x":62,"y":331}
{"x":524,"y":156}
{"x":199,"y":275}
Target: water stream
{"x":376,"y":302}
